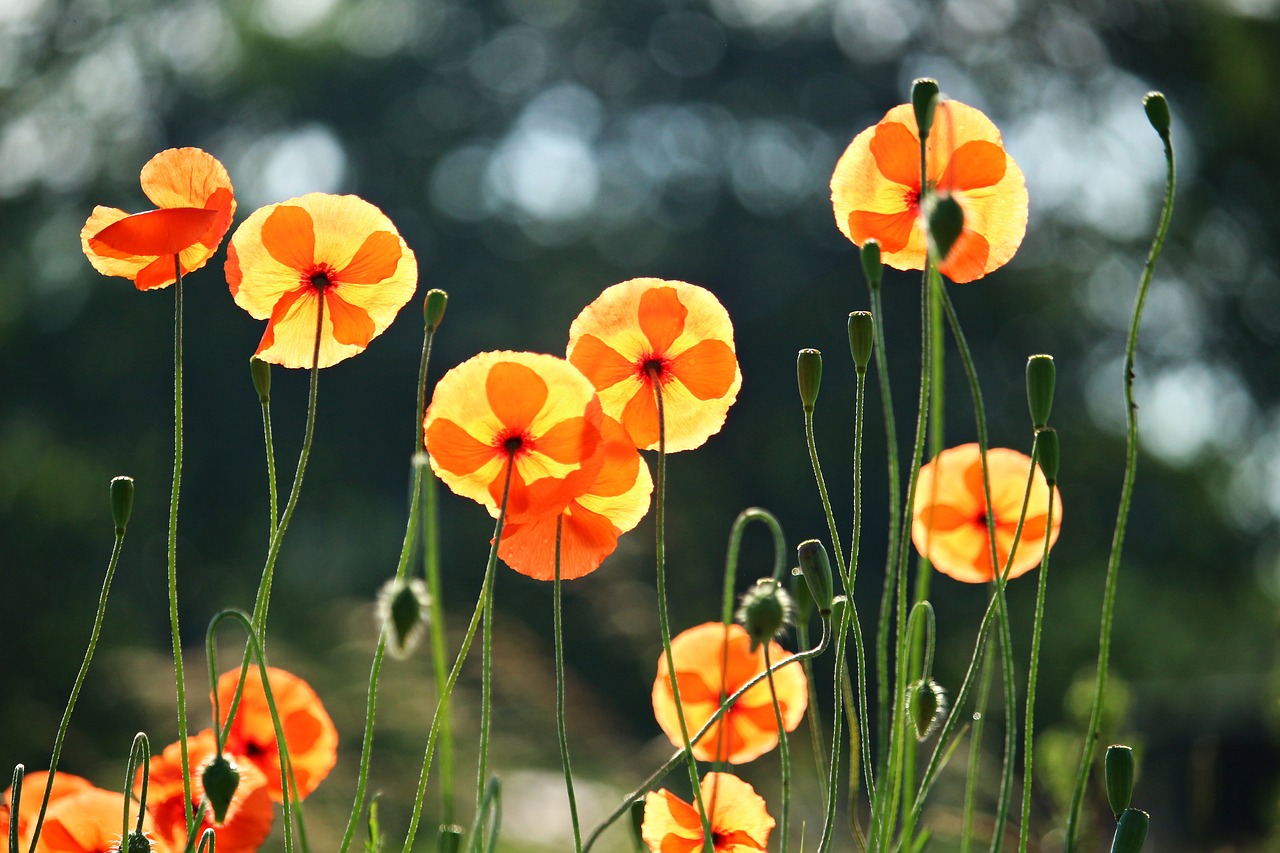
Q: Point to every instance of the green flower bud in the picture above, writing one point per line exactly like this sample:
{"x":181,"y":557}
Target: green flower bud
{"x":862,"y":338}
{"x":946,"y":222}
{"x":816,"y":569}
{"x":138,"y":843}
{"x":260,"y":371}
{"x":1157,"y":109}
{"x":402,"y":611}
{"x":121,"y":502}
{"x":1119,"y":769}
{"x":927,"y":706}
{"x":801,"y":596}
{"x":838,"y":605}
{"x":450,"y":839}
{"x":1041,"y":376}
{"x":1131,"y":831}
{"x":1047,"y":453}
{"x":220,"y":779}
{"x":433,"y":308}
{"x":765,"y":611}
{"x":924,"y":100}
{"x":872,"y":268}
{"x":809,"y":376}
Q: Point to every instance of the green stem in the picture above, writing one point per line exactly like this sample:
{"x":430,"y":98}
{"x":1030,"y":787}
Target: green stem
{"x":486,"y":696}
{"x":975,"y":751}
{"x":784,"y":753}
{"x":740,"y":523}
{"x":139,"y":756}
{"x":561,"y":734}
{"x":833,"y":779}
{"x":265,"y":402}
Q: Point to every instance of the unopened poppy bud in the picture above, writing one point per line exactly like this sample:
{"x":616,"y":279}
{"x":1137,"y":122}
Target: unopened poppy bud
{"x":838,"y":605}
{"x":433,"y":308}
{"x":220,"y":779}
{"x":816,"y":569}
{"x":927,"y":706}
{"x":924,"y":100}
{"x":138,"y":843}
{"x":765,"y":610}
{"x":872,"y":268}
{"x":862,"y":338}
{"x":801,"y":596}
{"x":121,"y":502}
{"x":1157,"y":109}
{"x":261,"y":373}
{"x":1119,"y":769}
{"x":1048,"y":454}
{"x":809,"y":376}
{"x":1041,"y":378}
{"x":1131,"y":831}
{"x":402,"y":610}
{"x":946,"y":221}
{"x":450,"y":839}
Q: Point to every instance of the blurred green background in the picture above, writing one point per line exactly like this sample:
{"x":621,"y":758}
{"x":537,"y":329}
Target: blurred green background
{"x":533,"y":152}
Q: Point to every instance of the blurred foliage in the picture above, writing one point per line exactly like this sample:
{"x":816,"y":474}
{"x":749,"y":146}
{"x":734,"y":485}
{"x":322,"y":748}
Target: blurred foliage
{"x":533,"y":152}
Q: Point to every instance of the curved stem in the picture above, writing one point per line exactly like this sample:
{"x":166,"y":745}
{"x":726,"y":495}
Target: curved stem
{"x":784,"y":753}
{"x":1033,"y":670}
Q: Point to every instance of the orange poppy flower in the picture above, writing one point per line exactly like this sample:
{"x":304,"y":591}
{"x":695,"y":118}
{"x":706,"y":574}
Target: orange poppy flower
{"x":308,"y":730}
{"x":740,"y":822}
{"x":89,"y":821}
{"x":33,"y":784}
{"x":533,"y":411}
{"x":592,"y":522}
{"x":647,"y":331}
{"x":949,"y":520}
{"x":248,"y":819}
{"x":876,"y":190}
{"x":339,"y":251}
{"x":748,"y":729}
{"x":195,"y":204}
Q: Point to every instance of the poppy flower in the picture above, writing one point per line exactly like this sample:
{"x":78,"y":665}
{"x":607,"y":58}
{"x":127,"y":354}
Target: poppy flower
{"x":592,"y":522}
{"x":739,"y":820}
{"x":337,"y":251}
{"x":949,"y":520}
{"x":712,"y":660}
{"x":647,"y":333}
{"x":877,"y":194}
{"x":308,"y":730}
{"x":248,"y":819}
{"x":195,"y":203}
{"x":535,"y":412}
{"x":33,"y":785}
{"x":89,"y":821}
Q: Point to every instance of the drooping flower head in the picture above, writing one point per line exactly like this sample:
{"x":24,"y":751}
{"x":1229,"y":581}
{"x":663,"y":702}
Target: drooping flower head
{"x":287,"y":261}
{"x":592,"y":522}
{"x":949,"y":519}
{"x":33,"y":785}
{"x":88,"y":821}
{"x":533,"y":412}
{"x":740,"y":821}
{"x":877,"y":193}
{"x":309,"y":732}
{"x":195,"y":203}
{"x":648,"y":333}
{"x":711,"y":658}
{"x":247,"y":822}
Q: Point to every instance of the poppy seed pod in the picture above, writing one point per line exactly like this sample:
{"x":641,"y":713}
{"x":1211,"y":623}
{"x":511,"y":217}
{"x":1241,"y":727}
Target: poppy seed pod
{"x":924,"y":100}
{"x":816,"y":569}
{"x":121,"y":502}
{"x":1119,"y":767}
{"x":872,"y":267}
{"x":808,"y":376}
{"x":765,"y":610}
{"x":1048,"y":453}
{"x":862,"y":338}
{"x":220,"y":779}
{"x":433,"y":308}
{"x":1157,"y":109}
{"x":261,"y":373}
{"x":1041,"y":378}
{"x":946,"y":222}
{"x":1131,"y":831}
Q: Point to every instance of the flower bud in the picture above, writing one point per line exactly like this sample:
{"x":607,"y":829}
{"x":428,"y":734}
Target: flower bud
{"x":927,"y":706}
{"x":1040,"y":382}
{"x":450,"y":839}
{"x":946,"y":222}
{"x":816,"y":569}
{"x":838,"y":605}
{"x":138,"y":842}
{"x":1047,"y":453}
{"x":121,"y":502}
{"x":1119,"y":772}
{"x":261,"y":373}
{"x":809,"y":376}
{"x":801,"y":596}
{"x":862,"y":338}
{"x":872,"y":268}
{"x":924,"y":100}
{"x":433,"y":308}
{"x":1131,"y":831}
{"x":402,"y":611}
{"x":765,"y":610}
{"x":1157,"y":109}
{"x":220,"y":778}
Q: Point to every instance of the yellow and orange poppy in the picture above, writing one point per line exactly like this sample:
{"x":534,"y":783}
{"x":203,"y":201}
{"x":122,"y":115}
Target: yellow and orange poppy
{"x":591,"y":523}
{"x":89,"y":821}
{"x":195,"y":203}
{"x":949,"y":519}
{"x":333,"y":254}
{"x":647,"y":334}
{"x":740,"y":821}
{"x":714,"y":660}
{"x":308,"y":730}
{"x":877,"y":194}
{"x":33,"y":785}
{"x":535,"y":413}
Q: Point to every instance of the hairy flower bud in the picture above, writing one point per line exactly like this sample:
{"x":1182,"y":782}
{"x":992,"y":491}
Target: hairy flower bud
{"x":946,"y":222}
{"x":924,"y":100}
{"x":1131,"y":831}
{"x":402,"y":611}
{"x":809,"y":376}
{"x":801,"y":596}
{"x":433,"y":308}
{"x":872,"y":267}
{"x":1048,"y":453}
{"x":862,"y":338}
{"x":1157,"y":109}
{"x":1041,"y":378}
{"x":220,"y":779}
{"x":1119,"y":769}
{"x":816,"y":569}
{"x":927,"y":706}
{"x":765,"y":610}
{"x":260,"y":372}
{"x":121,"y":502}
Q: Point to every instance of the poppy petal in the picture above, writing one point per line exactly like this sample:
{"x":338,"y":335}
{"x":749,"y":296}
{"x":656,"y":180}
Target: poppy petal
{"x":974,"y":165}
{"x":288,"y":234}
{"x":707,"y":369}
{"x":374,"y":261}
{"x":892,"y":230}
{"x":601,"y":363}
{"x":351,"y":324}
{"x":897,"y":153}
{"x":516,"y":394}
{"x":967,"y":259}
{"x":156,"y":232}
{"x":661,"y":317}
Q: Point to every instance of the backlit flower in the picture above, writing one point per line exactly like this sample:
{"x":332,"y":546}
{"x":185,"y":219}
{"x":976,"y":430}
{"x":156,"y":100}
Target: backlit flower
{"x":876,"y":190}
{"x":591,"y":523}
{"x":248,"y":820}
{"x":195,"y":204}
{"x":748,"y":729}
{"x":647,"y":333}
{"x":33,"y":784}
{"x":949,"y":521}
{"x":89,"y":821}
{"x":337,"y":251}
{"x":308,"y":730}
{"x":534,"y":412}
{"x":739,"y":820}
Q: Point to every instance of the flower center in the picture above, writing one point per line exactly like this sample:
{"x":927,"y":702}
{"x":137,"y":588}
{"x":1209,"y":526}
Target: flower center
{"x":513,"y":443}
{"x":654,"y":368}
{"x":320,"y":276}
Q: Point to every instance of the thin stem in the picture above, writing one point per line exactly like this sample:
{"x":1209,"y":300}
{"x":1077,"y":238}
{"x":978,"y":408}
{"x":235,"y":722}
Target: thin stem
{"x":1033,"y":670}
{"x":140,"y":746}
{"x":975,"y":751}
{"x":784,"y":753}
{"x":561,"y":734}
{"x":486,"y":693}
{"x":833,"y":778}
{"x":269,"y":442}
